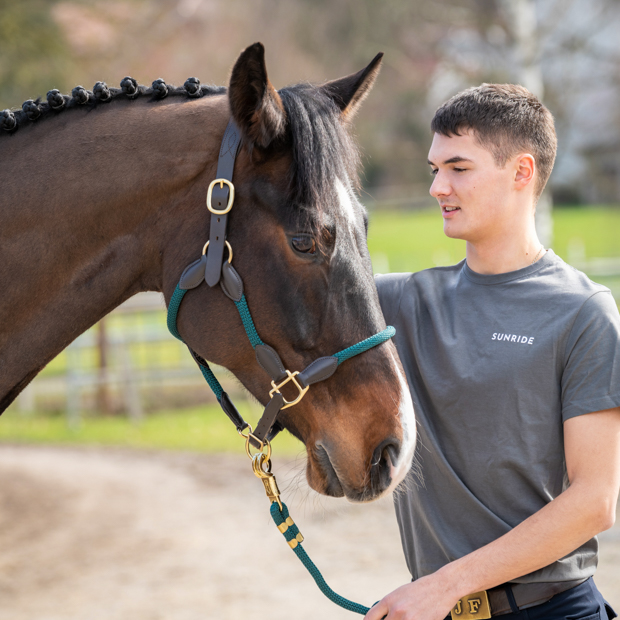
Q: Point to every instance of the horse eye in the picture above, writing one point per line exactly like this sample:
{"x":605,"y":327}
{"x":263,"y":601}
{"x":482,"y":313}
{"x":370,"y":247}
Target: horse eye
{"x":304,"y":244}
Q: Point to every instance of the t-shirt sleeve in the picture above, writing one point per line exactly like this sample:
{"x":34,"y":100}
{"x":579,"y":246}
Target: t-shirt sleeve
{"x":390,"y":288}
{"x":591,"y":376}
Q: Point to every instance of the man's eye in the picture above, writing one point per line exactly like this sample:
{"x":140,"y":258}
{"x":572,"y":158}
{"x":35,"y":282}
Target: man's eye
{"x":304,"y":244}
{"x":459,"y":169}
{"x":434,"y":171}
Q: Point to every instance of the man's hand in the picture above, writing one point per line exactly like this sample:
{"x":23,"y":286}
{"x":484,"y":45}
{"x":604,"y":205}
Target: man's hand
{"x":428,"y":598}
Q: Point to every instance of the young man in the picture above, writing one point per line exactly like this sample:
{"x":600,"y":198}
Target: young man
{"x":513,"y":361}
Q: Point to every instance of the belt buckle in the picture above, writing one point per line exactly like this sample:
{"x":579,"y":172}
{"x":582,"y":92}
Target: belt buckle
{"x":472,"y":607}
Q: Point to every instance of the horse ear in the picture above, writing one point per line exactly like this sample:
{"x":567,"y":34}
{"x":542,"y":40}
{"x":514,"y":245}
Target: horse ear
{"x":349,"y":92}
{"x":254,"y":102}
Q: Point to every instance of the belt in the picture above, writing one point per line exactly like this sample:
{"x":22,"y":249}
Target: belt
{"x":496,"y":601}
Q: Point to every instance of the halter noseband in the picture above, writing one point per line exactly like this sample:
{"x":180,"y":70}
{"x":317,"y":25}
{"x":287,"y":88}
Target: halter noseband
{"x":213,"y":267}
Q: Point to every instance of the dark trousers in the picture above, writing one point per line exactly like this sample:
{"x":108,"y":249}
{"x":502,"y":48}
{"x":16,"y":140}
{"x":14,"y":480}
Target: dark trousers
{"x":583,"y":602}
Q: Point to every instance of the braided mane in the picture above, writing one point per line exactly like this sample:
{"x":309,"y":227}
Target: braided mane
{"x":322,"y":148}
{"x":35,"y":109}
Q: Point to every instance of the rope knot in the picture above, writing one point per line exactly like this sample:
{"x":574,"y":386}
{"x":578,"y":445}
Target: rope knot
{"x":192,"y":86}
{"x":31,"y":109}
{"x":129,"y":86}
{"x":160,"y":90}
{"x":102,"y":92}
{"x":80,"y":95}
{"x":55,"y":99}
{"x":8,"y":122}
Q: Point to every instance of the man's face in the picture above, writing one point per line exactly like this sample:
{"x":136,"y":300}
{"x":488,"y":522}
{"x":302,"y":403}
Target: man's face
{"x":475,"y":196}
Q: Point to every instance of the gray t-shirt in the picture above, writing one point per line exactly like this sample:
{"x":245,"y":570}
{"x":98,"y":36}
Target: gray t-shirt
{"x":495,"y":364}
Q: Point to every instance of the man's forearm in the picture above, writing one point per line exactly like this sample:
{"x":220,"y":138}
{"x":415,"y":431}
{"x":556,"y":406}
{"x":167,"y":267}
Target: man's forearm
{"x":554,"y":531}
{"x":561,"y":526}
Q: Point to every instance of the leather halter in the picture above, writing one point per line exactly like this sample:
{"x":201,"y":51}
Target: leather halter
{"x":212,"y":267}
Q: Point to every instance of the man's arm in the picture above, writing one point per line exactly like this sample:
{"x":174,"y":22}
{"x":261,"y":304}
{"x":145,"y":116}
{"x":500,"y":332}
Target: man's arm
{"x":586,"y":508}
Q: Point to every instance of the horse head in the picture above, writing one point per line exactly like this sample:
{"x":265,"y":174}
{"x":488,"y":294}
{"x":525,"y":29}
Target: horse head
{"x":298,"y":236}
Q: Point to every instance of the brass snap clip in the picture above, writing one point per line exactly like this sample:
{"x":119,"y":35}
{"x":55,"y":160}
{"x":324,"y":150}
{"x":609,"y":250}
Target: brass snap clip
{"x":261,"y":465}
{"x":231,"y":196}
{"x":291,"y":377}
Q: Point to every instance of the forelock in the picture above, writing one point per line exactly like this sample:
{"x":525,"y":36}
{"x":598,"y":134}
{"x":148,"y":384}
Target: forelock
{"x":322,"y":149}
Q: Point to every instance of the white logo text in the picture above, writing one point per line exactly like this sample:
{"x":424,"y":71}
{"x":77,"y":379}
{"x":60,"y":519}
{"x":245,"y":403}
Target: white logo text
{"x":514,"y":338}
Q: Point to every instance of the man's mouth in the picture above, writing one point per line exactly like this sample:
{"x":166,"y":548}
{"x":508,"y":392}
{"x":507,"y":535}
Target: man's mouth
{"x":449,"y":209}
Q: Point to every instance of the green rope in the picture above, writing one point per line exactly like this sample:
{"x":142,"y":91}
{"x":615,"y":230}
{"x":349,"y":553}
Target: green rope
{"x":280,"y":517}
{"x":248,"y":323}
{"x":173,"y":310}
{"x":363,"y":346}
{"x":211,"y":379}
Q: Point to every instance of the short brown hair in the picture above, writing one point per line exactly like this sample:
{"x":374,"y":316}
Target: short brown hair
{"x":506,"y":119}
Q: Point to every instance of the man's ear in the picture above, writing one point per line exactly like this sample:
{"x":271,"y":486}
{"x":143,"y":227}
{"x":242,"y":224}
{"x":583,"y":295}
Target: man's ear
{"x":349,"y":92}
{"x":254,"y":102}
{"x":525,"y":170}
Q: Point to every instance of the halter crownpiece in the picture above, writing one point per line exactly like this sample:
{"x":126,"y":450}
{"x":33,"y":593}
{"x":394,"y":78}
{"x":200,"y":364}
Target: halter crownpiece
{"x":213,"y":267}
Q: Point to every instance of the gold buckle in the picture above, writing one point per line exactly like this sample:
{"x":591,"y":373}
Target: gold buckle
{"x":291,"y":377}
{"x":472,"y":607}
{"x":231,"y":196}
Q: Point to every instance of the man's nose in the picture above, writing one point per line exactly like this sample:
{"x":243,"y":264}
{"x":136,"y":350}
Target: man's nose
{"x":440,"y":186}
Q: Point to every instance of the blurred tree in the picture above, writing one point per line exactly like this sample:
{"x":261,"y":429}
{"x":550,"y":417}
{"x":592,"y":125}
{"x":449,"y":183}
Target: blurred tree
{"x":33,"y":51}
{"x":432,"y":50}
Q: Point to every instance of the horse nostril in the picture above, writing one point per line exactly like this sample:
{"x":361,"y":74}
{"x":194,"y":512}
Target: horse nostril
{"x":387,"y":451}
{"x":383,"y":458}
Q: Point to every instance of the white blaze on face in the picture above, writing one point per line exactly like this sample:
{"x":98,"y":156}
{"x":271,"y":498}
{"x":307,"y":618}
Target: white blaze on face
{"x":346,"y":201}
{"x":406,"y":413}
{"x":407,"y":419}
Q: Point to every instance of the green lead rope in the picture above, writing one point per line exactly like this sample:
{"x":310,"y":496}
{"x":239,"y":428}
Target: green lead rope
{"x":293,"y":537}
{"x":281,"y":516}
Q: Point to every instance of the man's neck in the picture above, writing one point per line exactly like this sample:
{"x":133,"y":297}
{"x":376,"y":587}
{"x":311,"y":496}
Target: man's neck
{"x":504,"y":254}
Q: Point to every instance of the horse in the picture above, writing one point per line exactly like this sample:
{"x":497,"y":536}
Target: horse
{"x":103,"y":197}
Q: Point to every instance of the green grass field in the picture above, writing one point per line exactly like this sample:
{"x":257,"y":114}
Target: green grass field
{"x":411,"y":241}
{"x":199,"y":429}
{"x":398,"y":241}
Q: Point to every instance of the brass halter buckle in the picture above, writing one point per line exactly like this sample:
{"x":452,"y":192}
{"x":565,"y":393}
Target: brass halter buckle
{"x":231,"y":196}
{"x":291,"y":377}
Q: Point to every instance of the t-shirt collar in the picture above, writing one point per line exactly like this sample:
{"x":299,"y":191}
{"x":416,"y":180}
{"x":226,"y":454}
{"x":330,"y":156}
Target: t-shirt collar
{"x":499,"y":278}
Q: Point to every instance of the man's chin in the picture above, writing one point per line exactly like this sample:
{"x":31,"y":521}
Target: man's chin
{"x":454,"y":232}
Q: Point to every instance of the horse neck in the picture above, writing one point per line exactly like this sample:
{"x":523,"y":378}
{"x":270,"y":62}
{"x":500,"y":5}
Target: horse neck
{"x":87,"y":203}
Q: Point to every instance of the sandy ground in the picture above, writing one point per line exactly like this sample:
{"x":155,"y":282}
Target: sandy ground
{"x":89,"y":534}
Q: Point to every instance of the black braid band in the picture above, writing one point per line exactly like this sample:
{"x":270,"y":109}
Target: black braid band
{"x":31,"y":109}
{"x":129,"y":86}
{"x":102,"y":92}
{"x":160,"y":90}
{"x":8,"y":122}
{"x":80,"y":95}
{"x":55,"y":99}
{"x":192,"y":86}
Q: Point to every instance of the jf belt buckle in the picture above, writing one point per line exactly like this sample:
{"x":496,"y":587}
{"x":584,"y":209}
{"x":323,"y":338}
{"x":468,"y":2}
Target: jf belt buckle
{"x":474,"y":606}
{"x":495,"y":602}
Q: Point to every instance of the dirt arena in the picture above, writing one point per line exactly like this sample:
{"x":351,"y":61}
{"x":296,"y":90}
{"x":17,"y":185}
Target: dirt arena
{"x":92,"y":534}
